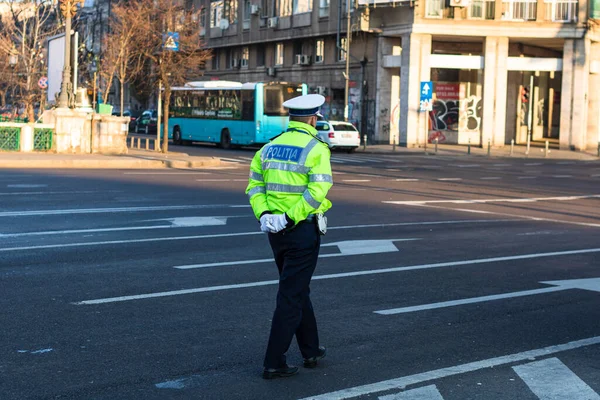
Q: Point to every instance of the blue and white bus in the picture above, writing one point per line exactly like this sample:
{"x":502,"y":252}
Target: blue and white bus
{"x":230,"y":113}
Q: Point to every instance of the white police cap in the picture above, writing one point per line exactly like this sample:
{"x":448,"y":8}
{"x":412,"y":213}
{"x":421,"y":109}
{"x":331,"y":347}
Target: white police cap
{"x":304,"y":106}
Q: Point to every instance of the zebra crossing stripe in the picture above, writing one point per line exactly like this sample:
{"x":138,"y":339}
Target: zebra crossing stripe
{"x":551,"y":379}
{"x":402,"y":382}
{"x":425,"y":393}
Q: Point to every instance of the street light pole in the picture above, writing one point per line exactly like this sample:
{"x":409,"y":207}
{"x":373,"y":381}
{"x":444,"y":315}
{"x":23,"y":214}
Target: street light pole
{"x":347,"y":76}
{"x":68,"y":8}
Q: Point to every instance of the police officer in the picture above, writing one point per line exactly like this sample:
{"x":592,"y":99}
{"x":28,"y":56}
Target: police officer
{"x":289,"y":179}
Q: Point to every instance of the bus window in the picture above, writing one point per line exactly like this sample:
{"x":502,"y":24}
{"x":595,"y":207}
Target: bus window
{"x":248,"y":105}
{"x":276,"y":95}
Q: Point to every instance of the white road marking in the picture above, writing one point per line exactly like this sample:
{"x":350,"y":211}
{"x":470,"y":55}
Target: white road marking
{"x":425,"y":393}
{"x":392,"y":170}
{"x":449,"y":179}
{"x":400,"y":383}
{"x":468,"y":165}
{"x":370,"y":175}
{"x":356,"y":180}
{"x":341,"y":275}
{"x":560,"y":221}
{"x":533,"y":164}
{"x":406,"y":180}
{"x":527,"y":177}
{"x":490,"y":178}
{"x":595,"y":176}
{"x":347,"y":248}
{"x":550,"y":379}
{"x":185,"y":222}
{"x":26,"y":185}
{"x":166,"y":173}
{"x":472,"y":300}
{"x":111,"y":210}
{"x":505,"y":200}
{"x":566,"y":163}
{"x":66,"y":192}
{"x":562,"y":176}
{"x":235,"y":160}
{"x":220,"y":235}
{"x":502,"y":165}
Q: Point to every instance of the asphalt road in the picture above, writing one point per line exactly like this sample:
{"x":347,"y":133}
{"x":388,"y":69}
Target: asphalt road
{"x":440,"y":278}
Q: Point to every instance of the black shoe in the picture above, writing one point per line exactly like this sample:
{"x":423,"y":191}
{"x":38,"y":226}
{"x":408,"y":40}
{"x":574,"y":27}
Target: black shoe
{"x":312,"y":361}
{"x":284,"y":372}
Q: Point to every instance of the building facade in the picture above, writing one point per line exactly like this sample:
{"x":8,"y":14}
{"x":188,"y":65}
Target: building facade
{"x":502,"y":70}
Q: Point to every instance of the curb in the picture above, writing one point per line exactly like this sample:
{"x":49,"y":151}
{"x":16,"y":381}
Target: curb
{"x":126,"y":163}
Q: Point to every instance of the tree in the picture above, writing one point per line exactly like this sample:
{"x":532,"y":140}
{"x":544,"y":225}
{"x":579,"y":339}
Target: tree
{"x":160,"y":19}
{"x":26,"y":24}
{"x":125,"y":28}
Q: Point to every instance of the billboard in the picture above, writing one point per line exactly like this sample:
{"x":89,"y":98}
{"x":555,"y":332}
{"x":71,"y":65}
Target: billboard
{"x":56,"y":63}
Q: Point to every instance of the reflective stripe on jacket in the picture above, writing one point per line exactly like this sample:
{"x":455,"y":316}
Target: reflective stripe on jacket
{"x":291,"y":175}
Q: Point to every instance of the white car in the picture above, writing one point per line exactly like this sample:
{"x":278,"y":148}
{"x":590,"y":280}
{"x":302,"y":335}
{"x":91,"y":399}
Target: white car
{"x":339,"y":135}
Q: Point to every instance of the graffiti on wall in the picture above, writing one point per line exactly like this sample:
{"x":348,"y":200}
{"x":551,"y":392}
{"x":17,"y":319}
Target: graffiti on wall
{"x":453,"y":111}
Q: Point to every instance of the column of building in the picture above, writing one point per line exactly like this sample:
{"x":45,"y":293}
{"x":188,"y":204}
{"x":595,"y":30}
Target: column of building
{"x":574,"y":96}
{"x":415,"y":67}
{"x":494,"y":91}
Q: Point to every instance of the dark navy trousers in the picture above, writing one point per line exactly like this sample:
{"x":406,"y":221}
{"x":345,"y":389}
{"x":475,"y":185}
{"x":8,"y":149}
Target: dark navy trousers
{"x":296,"y":252}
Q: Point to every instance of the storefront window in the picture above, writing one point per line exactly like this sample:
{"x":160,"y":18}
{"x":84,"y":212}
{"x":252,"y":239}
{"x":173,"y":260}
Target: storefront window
{"x":457,"y":106}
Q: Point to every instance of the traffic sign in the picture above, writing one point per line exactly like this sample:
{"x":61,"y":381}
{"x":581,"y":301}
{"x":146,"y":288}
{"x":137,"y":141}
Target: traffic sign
{"x":43,"y":82}
{"x":171,"y":41}
{"x":425,"y":103}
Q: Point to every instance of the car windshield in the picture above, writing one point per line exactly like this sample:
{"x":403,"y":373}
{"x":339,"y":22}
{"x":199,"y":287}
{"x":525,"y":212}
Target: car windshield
{"x":344,"y":127}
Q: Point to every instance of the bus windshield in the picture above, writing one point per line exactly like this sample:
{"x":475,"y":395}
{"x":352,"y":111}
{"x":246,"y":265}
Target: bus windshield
{"x":276,"y":95}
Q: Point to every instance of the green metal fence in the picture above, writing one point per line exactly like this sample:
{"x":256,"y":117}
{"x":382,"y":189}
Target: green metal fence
{"x":42,"y":139}
{"x":10,"y":138}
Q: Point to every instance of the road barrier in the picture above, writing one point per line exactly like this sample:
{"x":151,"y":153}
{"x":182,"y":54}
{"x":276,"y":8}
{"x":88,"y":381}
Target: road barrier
{"x":136,"y":143}
{"x":26,"y":137}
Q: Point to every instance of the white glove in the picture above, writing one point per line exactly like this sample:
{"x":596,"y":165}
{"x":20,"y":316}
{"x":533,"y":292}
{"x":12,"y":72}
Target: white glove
{"x":278,"y":222}
{"x":265,"y":223}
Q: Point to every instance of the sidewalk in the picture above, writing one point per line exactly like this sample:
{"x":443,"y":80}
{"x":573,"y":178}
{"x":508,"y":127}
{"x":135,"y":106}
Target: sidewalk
{"x":445,"y":150}
{"x":135,"y":159}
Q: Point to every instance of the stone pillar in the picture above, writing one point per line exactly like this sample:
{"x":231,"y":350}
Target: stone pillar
{"x":26,"y":138}
{"x":416,"y":50}
{"x":574,"y":94}
{"x":386,"y":93}
{"x":495,"y":76}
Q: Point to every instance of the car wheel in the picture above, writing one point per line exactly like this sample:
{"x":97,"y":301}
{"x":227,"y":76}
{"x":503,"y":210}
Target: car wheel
{"x":225,"y":142}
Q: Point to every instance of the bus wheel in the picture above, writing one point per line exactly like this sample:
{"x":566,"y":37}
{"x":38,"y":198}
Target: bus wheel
{"x":225,"y":139}
{"x":176,"y":136}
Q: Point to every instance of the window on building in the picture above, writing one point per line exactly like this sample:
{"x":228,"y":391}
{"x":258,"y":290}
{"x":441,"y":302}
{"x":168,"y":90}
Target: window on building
{"x":215,"y":60}
{"x":519,"y":10}
{"x":245,"y":56}
{"x":202,"y":21}
{"x":247,"y":11}
{"x":279,"y":54}
{"x":260,"y":56}
{"x":341,"y":51}
{"x":216,"y":13}
{"x":482,"y":9}
{"x":561,"y":10}
{"x":435,"y":8}
{"x":284,"y":8}
{"x":297,"y":51}
{"x":231,"y":11}
{"x":228,"y":58}
{"x":302,"y":6}
{"x":265,"y":9}
{"x":320,"y":51}
{"x":323,"y":8}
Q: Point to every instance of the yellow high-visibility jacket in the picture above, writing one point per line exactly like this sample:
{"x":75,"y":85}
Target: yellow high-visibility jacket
{"x":291,"y":175}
